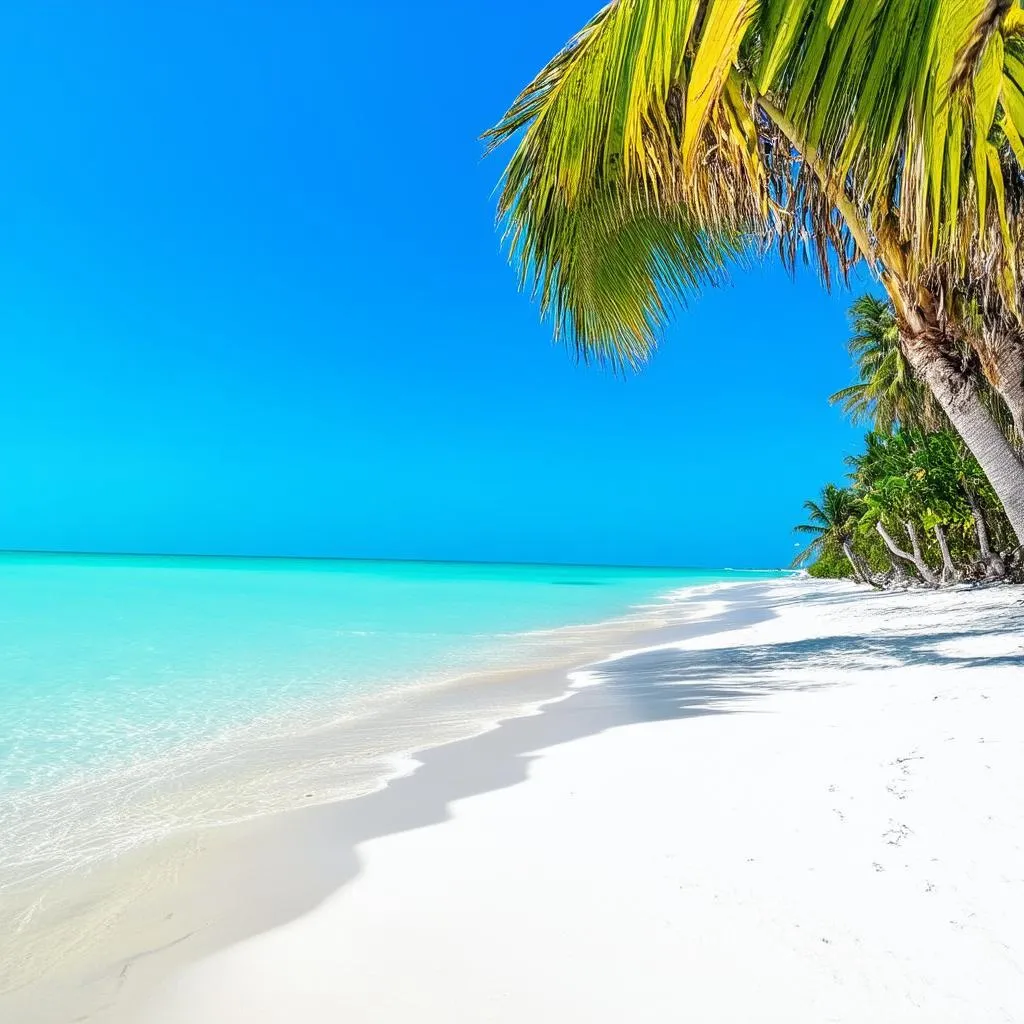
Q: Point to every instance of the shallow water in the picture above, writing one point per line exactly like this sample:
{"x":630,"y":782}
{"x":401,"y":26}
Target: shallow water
{"x":119,"y":674}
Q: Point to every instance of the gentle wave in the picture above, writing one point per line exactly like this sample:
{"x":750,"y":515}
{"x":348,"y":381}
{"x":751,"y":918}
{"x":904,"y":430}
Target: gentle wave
{"x":196,"y":695}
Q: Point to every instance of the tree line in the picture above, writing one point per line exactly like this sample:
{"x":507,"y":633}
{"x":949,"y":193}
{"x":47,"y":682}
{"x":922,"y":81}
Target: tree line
{"x":918,"y":507}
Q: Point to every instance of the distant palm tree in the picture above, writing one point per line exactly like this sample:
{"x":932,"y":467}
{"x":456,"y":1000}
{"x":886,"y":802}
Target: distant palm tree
{"x":833,"y":519}
{"x":910,"y":479}
{"x":672,"y":137}
{"x":887,"y":393}
{"x":889,"y":484}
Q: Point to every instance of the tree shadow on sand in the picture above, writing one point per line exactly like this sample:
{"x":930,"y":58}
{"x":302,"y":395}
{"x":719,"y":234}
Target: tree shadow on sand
{"x":315,"y":849}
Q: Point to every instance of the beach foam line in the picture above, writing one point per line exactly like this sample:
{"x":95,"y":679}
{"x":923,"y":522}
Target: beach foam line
{"x":78,"y":922}
{"x":226,"y":778}
{"x":758,"y":825}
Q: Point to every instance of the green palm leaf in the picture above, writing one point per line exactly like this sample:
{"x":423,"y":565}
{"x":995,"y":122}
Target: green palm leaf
{"x":831,"y":129}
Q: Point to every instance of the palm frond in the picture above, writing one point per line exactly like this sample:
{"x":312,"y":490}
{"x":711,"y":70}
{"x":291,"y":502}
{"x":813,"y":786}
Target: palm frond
{"x":810,"y":528}
{"x":813,"y":550}
{"x":830,"y":129}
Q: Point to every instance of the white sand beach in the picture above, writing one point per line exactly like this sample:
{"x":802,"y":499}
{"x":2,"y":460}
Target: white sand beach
{"x":814,"y":817}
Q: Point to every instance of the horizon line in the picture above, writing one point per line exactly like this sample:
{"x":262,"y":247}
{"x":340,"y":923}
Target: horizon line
{"x":368,"y":558}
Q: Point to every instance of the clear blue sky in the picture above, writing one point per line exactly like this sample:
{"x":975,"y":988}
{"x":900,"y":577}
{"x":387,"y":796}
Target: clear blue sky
{"x":253,"y":302}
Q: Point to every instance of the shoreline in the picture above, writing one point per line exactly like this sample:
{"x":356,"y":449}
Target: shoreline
{"x":230,"y":769}
{"x":812,"y":815}
{"x":728,"y":733}
{"x":89,"y":930}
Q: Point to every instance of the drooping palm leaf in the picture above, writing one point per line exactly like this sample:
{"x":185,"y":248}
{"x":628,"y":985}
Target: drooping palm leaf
{"x":885,"y":128}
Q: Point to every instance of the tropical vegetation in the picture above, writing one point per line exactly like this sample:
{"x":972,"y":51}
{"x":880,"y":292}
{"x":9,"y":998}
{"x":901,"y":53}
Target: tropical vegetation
{"x":917,"y":509}
{"x":671,"y":139}
{"x":888,"y":392}
{"x":918,"y":506}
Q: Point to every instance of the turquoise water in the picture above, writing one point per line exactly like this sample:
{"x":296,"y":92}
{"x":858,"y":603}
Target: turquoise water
{"x":110,"y":663}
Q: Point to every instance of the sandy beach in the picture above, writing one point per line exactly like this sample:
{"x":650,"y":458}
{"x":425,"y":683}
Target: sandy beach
{"x":535,"y":537}
{"x":242,"y":835}
{"x":807,"y":810}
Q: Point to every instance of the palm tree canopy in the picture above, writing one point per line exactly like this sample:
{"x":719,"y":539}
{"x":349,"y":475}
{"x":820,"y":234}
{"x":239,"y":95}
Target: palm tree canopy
{"x":832,"y":518}
{"x":886,"y":393}
{"x":929,"y":476}
{"x":682,"y":133}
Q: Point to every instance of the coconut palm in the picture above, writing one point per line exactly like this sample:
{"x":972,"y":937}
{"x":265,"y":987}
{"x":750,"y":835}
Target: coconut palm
{"x":833,"y":519}
{"x":672,"y":136}
{"x":928,"y":487}
{"x":887,"y":392}
{"x":892,"y":496}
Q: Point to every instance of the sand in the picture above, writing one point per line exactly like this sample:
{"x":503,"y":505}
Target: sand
{"x":87,"y":944}
{"x":812,"y":814}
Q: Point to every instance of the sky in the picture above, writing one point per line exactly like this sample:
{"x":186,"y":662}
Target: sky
{"x":252,"y":302}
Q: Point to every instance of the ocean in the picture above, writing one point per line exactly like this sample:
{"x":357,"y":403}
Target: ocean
{"x":144,"y":694}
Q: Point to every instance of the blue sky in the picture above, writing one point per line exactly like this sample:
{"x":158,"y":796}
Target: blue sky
{"x":252,"y":301}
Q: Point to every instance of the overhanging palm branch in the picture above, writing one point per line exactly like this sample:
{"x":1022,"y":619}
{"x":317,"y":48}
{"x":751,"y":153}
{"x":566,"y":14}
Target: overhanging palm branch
{"x":888,"y":129}
{"x":617,"y":274}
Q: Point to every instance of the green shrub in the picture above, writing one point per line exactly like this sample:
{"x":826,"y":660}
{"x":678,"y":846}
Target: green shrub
{"x":832,"y":564}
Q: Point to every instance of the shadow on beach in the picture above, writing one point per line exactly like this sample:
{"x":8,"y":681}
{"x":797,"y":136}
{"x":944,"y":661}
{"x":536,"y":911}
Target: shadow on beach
{"x":315,"y":850}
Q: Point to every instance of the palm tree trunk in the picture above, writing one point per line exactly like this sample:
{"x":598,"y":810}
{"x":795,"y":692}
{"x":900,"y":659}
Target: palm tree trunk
{"x":995,"y":567}
{"x":914,"y":559}
{"x":988,"y":444}
{"x":900,"y":578}
{"x":941,"y":368}
{"x":1006,"y":359}
{"x":860,"y":573}
{"x":1012,"y":391}
{"x":949,"y":570}
{"x":922,"y":566}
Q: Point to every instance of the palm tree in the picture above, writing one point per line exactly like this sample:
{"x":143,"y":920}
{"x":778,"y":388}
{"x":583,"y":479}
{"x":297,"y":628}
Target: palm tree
{"x":981,"y":502}
{"x":911,"y":479}
{"x":671,"y":137}
{"x":887,"y":392}
{"x":887,"y":481}
{"x":832,"y":521}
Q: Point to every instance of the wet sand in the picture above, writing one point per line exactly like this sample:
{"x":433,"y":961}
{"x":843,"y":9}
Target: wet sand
{"x":94,"y":944}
